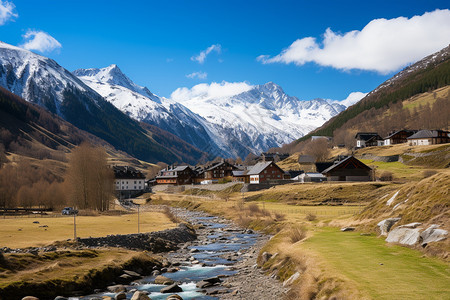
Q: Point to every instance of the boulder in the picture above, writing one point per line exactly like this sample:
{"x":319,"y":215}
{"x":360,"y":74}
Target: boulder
{"x":138,"y":295}
{"x":116,"y":288}
{"x":386,"y":225}
{"x":120,"y":296}
{"x":60,"y":298}
{"x":433,"y":234}
{"x":213,"y":280}
{"x":291,"y":279}
{"x":173,"y":288}
{"x":30,"y":298}
{"x":203,"y":284}
{"x":163,"y":280}
{"x":411,"y":225}
{"x":348,"y":229}
{"x":174,"y":297}
{"x":265,"y":257}
{"x":404,"y":235}
{"x":133,"y":274}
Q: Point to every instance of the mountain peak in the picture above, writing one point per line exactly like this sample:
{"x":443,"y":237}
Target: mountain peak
{"x":113,"y":75}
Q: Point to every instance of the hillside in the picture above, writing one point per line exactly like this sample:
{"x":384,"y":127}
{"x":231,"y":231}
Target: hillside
{"x":382,"y":109}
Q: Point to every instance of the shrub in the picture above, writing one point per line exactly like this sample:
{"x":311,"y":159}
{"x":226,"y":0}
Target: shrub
{"x":254,"y":208}
{"x":428,"y":173}
{"x":297,"y":233}
{"x":311,"y":217}
{"x":280,"y":216}
{"x":386,"y":176}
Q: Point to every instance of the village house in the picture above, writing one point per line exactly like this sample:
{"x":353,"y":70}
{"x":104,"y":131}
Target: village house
{"x":398,"y":137}
{"x":368,"y":139}
{"x":220,"y":170}
{"x":240,"y":176}
{"x":429,"y":137}
{"x":176,"y":175}
{"x":348,"y":169}
{"x":265,"y":171}
{"x":307,"y":163}
{"x":128,"y":180}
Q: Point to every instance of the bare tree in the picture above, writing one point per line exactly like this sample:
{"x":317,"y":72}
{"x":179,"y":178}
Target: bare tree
{"x":318,"y":148}
{"x":90,"y":180}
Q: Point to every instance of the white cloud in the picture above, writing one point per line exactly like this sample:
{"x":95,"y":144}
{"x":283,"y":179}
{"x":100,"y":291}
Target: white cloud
{"x":352,"y":98}
{"x":40,"y":41}
{"x":208,"y":91}
{"x":203,"y":54}
{"x":7,"y":11}
{"x":199,"y":75}
{"x":382,"y":45}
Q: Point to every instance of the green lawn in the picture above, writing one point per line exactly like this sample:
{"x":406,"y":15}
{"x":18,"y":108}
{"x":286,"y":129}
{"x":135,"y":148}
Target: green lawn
{"x":382,"y":271}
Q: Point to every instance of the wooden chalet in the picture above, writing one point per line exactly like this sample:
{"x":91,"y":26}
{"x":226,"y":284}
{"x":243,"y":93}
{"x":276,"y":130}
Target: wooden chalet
{"x":368,"y":139}
{"x":219,"y":170}
{"x":398,"y":137}
{"x":176,"y":175}
{"x":429,"y":137}
{"x":241,"y":176}
{"x":349,"y":169}
{"x":266,"y":171}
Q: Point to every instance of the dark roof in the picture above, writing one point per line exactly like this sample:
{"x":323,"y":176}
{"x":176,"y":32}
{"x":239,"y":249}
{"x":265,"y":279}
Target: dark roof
{"x":321,"y":166}
{"x":127,"y":172}
{"x":305,"y":159}
{"x":346,"y":162}
{"x":410,"y":132}
{"x":365,"y":135}
{"x":428,"y":134}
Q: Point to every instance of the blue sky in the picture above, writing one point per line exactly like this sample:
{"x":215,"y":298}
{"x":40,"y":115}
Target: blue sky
{"x":155,"y":42}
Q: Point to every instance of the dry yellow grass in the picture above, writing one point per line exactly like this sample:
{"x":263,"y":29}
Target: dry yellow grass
{"x":22,"y":232}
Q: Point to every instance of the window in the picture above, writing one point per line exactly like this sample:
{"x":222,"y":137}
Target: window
{"x":265,"y":171}
{"x":135,"y":182}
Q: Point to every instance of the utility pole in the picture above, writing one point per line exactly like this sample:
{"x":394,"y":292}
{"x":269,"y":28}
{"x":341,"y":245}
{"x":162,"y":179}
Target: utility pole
{"x":75,"y":227}
{"x":138,"y":217}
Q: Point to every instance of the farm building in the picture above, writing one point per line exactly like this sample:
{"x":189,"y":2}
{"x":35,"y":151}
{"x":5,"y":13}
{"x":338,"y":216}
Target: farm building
{"x":311,"y":177}
{"x":175,"y":175}
{"x":349,"y":169}
{"x":398,"y":137}
{"x":219,"y":170}
{"x":429,"y":137}
{"x":265,"y":171}
{"x":368,"y":139}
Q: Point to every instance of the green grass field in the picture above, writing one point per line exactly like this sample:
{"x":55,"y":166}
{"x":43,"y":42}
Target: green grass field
{"x":380,"y":270}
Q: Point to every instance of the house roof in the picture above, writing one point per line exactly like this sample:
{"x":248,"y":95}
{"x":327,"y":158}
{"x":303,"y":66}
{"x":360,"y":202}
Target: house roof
{"x":127,"y":172}
{"x":398,"y":131}
{"x":315,"y":175}
{"x":239,"y":173}
{"x":306,"y":159}
{"x":259,"y":167}
{"x":421,"y":134}
{"x":365,"y":135}
{"x":343,"y":164}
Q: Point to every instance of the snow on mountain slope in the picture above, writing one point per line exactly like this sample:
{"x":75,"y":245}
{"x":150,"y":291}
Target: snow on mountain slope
{"x":228,"y":119}
{"x":35,"y":78}
{"x":261,"y":116}
{"x":140,"y":104}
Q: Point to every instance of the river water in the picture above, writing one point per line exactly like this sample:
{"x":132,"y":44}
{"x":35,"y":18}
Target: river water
{"x":219,"y":246}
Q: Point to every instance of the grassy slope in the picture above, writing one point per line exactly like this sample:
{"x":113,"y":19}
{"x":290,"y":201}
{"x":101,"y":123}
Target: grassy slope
{"x":61,"y":228}
{"x":381,"y":271}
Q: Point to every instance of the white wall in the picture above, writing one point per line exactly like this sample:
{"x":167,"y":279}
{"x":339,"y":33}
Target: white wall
{"x":254,"y":179}
{"x":129,"y":184}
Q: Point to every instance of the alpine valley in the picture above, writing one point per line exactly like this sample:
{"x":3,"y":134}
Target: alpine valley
{"x":139,"y":122}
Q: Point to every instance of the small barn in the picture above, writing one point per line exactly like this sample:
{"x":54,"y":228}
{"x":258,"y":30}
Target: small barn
{"x":311,"y":177}
{"x":349,"y":169}
{"x":368,"y":139}
{"x":398,"y":137}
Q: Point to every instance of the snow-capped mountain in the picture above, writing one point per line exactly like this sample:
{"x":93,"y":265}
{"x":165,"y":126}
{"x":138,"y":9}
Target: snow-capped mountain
{"x":261,"y":117}
{"x":43,"y":81}
{"x":254,"y":120}
{"x":140,"y":104}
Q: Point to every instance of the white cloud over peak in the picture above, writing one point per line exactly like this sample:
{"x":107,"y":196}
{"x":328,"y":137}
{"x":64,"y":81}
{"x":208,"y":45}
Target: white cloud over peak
{"x":40,"y":41}
{"x":7,"y":11}
{"x":198,"y":75}
{"x":352,"y":98}
{"x":209,"y":91}
{"x":382,"y":45}
{"x":203,"y":54}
